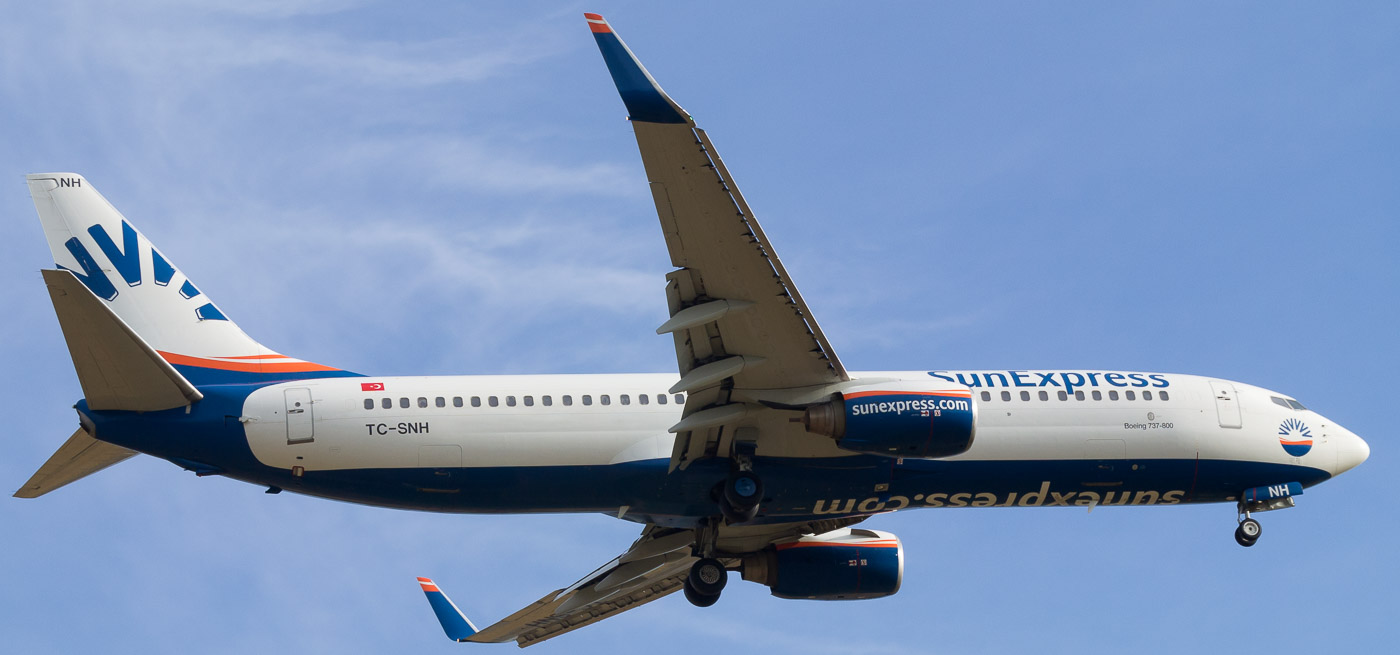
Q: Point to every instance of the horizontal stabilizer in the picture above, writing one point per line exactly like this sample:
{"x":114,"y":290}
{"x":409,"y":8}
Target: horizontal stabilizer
{"x":116,"y":368}
{"x":76,"y":459}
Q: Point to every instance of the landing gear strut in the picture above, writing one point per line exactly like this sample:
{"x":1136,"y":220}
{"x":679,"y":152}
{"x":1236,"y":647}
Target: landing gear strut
{"x":1249,"y":530}
{"x":705,"y":582}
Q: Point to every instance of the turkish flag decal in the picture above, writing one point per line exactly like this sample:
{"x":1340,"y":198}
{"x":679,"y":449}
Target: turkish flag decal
{"x":371,"y":386}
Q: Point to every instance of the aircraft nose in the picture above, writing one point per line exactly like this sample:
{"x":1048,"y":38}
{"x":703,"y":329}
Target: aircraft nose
{"x":1351,"y":452}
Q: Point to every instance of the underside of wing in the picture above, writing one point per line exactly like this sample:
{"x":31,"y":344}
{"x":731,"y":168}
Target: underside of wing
{"x":657,"y":564}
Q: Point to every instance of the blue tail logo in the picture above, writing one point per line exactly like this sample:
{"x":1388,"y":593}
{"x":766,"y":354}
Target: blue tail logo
{"x":126,"y":260}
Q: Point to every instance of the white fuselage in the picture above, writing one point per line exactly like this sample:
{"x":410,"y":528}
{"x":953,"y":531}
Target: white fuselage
{"x":1090,"y":430}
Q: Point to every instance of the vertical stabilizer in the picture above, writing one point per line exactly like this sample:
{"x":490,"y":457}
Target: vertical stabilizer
{"x":143,"y":287}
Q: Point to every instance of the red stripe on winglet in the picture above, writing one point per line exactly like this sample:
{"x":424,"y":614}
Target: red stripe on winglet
{"x":597,"y":24}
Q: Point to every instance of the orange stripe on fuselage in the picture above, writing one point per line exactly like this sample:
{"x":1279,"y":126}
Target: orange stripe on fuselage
{"x":242,"y":367}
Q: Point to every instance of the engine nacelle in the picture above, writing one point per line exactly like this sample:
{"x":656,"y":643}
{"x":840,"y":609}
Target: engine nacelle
{"x":846,"y":564}
{"x":900,"y":419}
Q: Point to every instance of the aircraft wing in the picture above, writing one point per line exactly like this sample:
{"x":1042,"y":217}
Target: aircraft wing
{"x":655,"y":565}
{"x":735,"y":312}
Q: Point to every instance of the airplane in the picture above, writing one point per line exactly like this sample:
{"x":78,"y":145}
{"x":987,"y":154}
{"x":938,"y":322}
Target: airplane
{"x":761,"y":455}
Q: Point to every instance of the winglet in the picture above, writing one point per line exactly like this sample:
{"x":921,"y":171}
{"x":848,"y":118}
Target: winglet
{"x":454,"y":623}
{"x":645,"y":100}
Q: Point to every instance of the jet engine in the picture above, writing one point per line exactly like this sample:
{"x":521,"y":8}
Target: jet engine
{"x":901,"y":419}
{"x":845,"y":564}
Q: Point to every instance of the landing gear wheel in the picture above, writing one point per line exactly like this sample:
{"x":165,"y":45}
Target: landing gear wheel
{"x":1248,"y":532}
{"x":707,"y":578}
{"x":1242,"y":540}
{"x":696,"y":598}
{"x":742,"y":492}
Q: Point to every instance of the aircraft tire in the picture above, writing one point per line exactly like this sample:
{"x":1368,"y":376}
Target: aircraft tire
{"x":1242,"y":539}
{"x":743,"y":490}
{"x":733,"y":515}
{"x":697,"y":599}
{"x":740,"y":497}
{"x":707,"y":578}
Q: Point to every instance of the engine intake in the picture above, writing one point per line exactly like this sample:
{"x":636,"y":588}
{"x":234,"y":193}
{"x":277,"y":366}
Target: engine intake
{"x":846,"y":564}
{"x":908,"y":419}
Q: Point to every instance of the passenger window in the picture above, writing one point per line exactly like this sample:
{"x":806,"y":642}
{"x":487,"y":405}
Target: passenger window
{"x":387,"y":403}
{"x":493,"y":401}
{"x":680,"y":400}
{"x":1147,"y":395}
{"x":986,"y":396}
{"x":1098,"y":395}
{"x":661,"y":399}
{"x":1025,"y":395}
{"x":1130,"y":395}
{"x":568,"y":400}
{"x":403,"y":402}
{"x":529,"y":401}
{"x":587,"y":399}
{"x":476,"y":401}
{"x":369,"y":403}
{"x":625,"y":400}
{"x":1113,"y":394}
{"x":1044,"y":395}
{"x":1062,"y":395}
{"x":1078,"y":395}
{"x":643,"y":398}
{"x":1006,"y":395}
{"x":546,"y":400}
{"x":510,"y":401}
{"x":1163,"y":395}
{"x":456,"y":401}
{"x":605,"y":399}
{"x":440,"y":401}
{"x":422,"y":402}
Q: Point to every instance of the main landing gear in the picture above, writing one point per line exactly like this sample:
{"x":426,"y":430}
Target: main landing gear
{"x":740,"y":496}
{"x":705,"y":582}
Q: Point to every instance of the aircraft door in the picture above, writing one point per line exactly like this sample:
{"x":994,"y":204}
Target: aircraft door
{"x":1227,"y":404}
{"x":299,"y":417}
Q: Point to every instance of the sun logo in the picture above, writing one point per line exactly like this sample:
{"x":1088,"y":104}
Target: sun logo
{"x":1295,"y":437}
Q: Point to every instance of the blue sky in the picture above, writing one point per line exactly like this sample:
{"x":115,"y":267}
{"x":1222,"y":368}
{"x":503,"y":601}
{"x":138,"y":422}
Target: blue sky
{"x":432,"y":188}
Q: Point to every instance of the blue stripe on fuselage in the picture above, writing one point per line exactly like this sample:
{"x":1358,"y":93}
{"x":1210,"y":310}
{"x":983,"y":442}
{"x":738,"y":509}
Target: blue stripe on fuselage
{"x":201,"y":376}
{"x":211,"y":434}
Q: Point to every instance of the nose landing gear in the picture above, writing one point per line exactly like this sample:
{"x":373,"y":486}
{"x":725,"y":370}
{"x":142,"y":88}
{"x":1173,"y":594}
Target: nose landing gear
{"x":1262,"y":499}
{"x":1248,"y":532}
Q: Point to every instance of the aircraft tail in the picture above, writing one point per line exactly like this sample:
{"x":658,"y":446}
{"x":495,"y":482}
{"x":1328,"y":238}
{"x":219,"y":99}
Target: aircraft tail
{"x":159,"y":320}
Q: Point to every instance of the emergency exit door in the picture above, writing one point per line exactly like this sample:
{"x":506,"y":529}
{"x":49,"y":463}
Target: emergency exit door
{"x":1227,"y":405}
{"x":299,"y":418}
